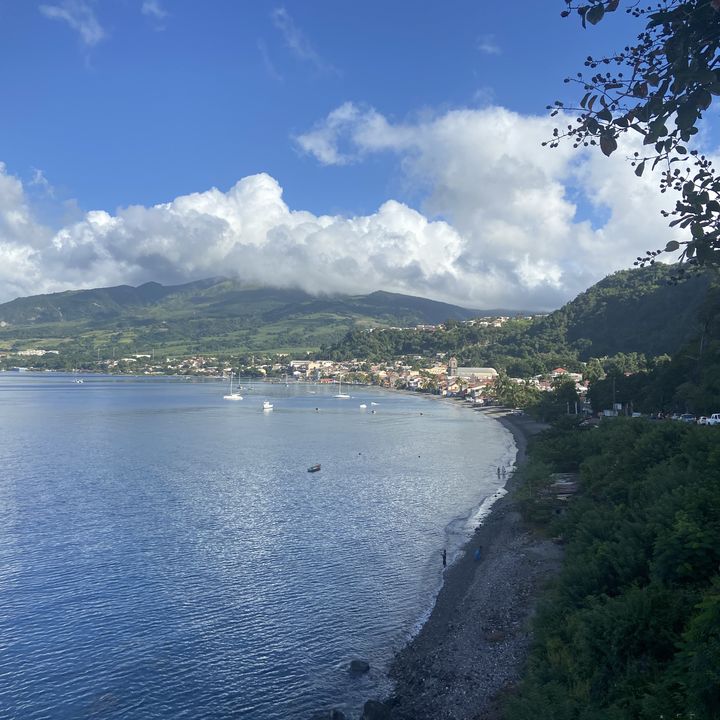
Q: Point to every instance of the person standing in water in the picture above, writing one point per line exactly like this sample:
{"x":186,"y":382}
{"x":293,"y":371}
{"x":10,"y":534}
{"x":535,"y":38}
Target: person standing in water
{"x":444,"y":553}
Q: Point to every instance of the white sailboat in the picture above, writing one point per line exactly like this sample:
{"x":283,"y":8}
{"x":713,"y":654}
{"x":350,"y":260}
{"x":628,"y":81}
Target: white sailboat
{"x":267,"y":405}
{"x":341,"y":394}
{"x":232,"y":395}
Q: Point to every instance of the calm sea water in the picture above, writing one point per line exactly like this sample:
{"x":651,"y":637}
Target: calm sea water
{"x":164,"y":553}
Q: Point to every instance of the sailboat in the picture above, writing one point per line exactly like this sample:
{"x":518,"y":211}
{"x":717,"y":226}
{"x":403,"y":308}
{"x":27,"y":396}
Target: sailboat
{"x":232,"y":395}
{"x":267,"y":405}
{"x":341,"y":394}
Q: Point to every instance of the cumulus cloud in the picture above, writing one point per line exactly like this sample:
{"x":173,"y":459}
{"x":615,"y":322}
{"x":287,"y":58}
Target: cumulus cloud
{"x":79,"y":16}
{"x":504,"y":222}
{"x":524,"y":212}
{"x":248,"y":232}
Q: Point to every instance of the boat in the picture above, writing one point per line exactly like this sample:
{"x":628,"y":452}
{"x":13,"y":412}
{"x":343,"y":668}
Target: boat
{"x":232,"y":395}
{"x":267,"y":405}
{"x":363,"y":406}
{"x":374,"y":403}
{"x":314,"y":468}
{"x":341,"y":394}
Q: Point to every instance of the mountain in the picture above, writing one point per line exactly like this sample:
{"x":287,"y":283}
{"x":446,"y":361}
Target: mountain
{"x":210,"y":315}
{"x":640,"y":310}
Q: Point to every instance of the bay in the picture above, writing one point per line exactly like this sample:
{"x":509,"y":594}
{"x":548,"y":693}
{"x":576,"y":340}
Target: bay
{"x":164,"y":553}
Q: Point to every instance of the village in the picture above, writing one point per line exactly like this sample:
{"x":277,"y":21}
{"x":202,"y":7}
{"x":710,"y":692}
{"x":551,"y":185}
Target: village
{"x":438,"y":376}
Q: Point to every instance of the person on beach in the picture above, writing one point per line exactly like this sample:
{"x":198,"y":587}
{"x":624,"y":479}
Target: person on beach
{"x":498,"y":472}
{"x":444,"y":558}
{"x":477,"y":554}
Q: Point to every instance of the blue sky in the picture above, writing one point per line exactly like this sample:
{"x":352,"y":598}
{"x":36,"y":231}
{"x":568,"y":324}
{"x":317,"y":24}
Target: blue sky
{"x":371,"y":146}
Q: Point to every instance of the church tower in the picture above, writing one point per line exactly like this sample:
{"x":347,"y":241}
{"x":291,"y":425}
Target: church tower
{"x":452,"y":367}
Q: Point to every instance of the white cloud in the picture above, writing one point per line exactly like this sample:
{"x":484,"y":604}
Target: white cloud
{"x":500,"y":225}
{"x":40,"y":181}
{"x":298,"y":42}
{"x":514,"y":203}
{"x":248,"y":232}
{"x":152,"y":8}
{"x":488,"y":45}
{"x":79,"y":16}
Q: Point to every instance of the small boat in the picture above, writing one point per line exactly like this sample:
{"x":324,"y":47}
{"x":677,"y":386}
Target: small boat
{"x":232,"y":395}
{"x":341,"y":394}
{"x":363,"y":406}
{"x":314,"y":468}
{"x":374,"y":403}
{"x":267,"y":405}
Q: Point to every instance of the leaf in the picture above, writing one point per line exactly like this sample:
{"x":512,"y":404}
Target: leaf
{"x":703,"y":100}
{"x":640,"y":89}
{"x":605,"y":115}
{"x":640,"y":169}
{"x":697,"y":231}
{"x":595,"y":14}
{"x":672,"y":246}
{"x":608,"y":144}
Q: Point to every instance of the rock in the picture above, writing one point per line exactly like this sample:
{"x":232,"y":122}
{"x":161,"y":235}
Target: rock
{"x":359,"y":667}
{"x":375,"y":710}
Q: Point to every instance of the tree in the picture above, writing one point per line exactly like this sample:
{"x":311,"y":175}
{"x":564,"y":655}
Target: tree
{"x":660,"y":87}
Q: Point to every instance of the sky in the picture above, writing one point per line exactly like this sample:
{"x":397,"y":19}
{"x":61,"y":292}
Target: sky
{"x":332,"y":145}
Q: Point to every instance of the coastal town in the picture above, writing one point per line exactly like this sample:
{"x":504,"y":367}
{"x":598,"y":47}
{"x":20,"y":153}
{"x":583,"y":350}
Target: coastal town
{"x":440,"y":375}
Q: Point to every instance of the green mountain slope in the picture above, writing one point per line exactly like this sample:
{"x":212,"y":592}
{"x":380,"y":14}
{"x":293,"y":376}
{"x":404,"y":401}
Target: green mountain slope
{"x":206,"y":316}
{"x":633,"y":311}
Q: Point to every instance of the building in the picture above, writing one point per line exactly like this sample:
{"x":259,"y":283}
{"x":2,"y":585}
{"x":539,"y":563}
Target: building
{"x":476,"y":373}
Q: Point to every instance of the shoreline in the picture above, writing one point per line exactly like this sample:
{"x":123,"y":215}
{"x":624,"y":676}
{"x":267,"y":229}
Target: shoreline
{"x":470,"y":651}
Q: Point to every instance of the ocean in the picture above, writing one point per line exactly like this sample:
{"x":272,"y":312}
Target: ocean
{"x":165,"y":554}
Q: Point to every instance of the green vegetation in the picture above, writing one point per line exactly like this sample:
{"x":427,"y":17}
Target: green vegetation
{"x":631,"y":628}
{"x":687,"y":382}
{"x":208,"y":316}
{"x":626,"y":324}
{"x":627,"y":320}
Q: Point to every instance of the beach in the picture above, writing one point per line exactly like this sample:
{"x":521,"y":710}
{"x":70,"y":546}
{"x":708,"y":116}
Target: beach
{"x":470,"y":652}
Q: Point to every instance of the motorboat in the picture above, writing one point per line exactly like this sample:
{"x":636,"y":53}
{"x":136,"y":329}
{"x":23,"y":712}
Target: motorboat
{"x":314,"y":468}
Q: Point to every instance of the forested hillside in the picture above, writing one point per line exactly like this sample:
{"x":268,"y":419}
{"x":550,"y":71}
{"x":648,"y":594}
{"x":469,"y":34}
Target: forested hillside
{"x":631,"y":629}
{"x":641,"y":312}
{"x":213,"y":315}
{"x":687,"y":382}
{"x":638,"y":310}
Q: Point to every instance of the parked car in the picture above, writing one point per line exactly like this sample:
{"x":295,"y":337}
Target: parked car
{"x":687,"y":417}
{"x":702,"y":420}
{"x":714,"y":419}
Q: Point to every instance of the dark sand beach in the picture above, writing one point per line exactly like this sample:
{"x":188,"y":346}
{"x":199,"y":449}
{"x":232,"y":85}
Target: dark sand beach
{"x":471,"y":650}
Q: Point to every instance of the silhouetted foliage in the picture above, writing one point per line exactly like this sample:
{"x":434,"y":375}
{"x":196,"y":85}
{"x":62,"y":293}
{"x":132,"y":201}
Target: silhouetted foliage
{"x":659,"y":87}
